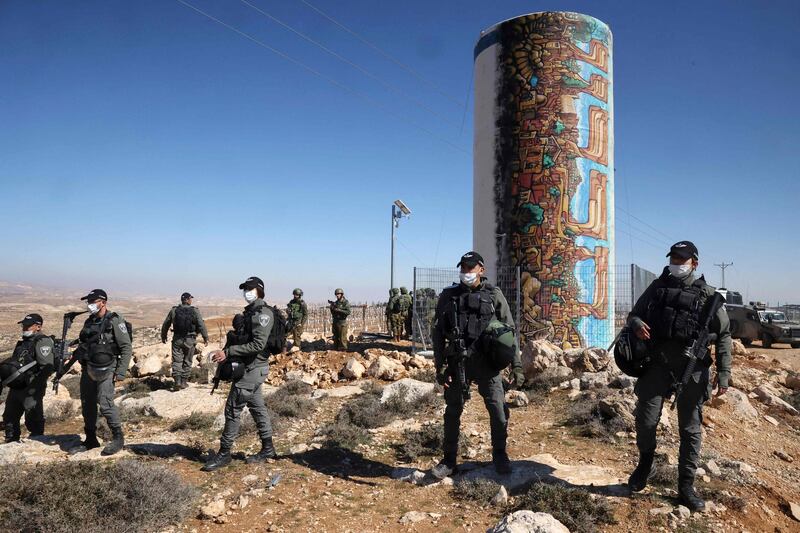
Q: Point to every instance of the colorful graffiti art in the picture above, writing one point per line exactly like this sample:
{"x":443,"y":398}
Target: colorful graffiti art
{"x":553,"y":174}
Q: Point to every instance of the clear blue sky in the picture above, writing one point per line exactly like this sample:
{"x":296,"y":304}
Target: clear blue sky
{"x":145,"y":148}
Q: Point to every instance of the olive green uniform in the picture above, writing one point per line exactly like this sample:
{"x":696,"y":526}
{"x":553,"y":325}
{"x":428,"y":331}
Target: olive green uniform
{"x":652,"y":388}
{"x":246,"y":392}
{"x":28,"y":400}
{"x":297,"y":311}
{"x":340,"y":310}
{"x":105,"y":350}
{"x":183,"y":344}
{"x":478,"y":370}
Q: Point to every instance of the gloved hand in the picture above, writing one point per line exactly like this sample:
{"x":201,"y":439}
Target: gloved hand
{"x":518,"y":377}
{"x":441,"y":375}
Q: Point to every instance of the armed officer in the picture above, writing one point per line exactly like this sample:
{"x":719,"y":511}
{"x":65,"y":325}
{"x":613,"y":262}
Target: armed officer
{"x":408,"y":310}
{"x":105,"y":352}
{"x":251,"y":351}
{"x":340,"y":310}
{"x":463,"y":313}
{"x":297,"y":311}
{"x":186,"y":322}
{"x":667,"y":318}
{"x":392,"y":314}
{"x":26,"y":391}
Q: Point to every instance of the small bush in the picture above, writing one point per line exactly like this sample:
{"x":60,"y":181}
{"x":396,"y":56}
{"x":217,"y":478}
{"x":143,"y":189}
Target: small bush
{"x":585,"y":415}
{"x":425,"y":442}
{"x":291,"y":400}
{"x":478,"y":490}
{"x":575,"y":508}
{"x":120,"y":497}
{"x":344,"y":434}
{"x":195,"y":421}
{"x":542,"y":383}
{"x":428,"y":375}
{"x":60,"y":411}
{"x":663,"y":474}
{"x":135,"y":414}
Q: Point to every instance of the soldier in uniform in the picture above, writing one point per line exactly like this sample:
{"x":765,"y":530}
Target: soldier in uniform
{"x":473,"y":303}
{"x":251,"y":351}
{"x":36,"y":349}
{"x":666,"y":316}
{"x":340,"y":310}
{"x":297,"y":310}
{"x":186,"y":322}
{"x":105,"y":352}
{"x":408,"y":310}
{"x":394,"y":294}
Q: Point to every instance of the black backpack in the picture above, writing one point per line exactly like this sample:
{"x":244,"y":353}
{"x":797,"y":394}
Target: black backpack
{"x":277,"y":335}
{"x":183,"y":320}
{"x":128,"y":326}
{"x":18,"y":372}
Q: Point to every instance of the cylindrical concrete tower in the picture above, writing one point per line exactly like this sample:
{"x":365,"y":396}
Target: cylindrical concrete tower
{"x":544,"y":170}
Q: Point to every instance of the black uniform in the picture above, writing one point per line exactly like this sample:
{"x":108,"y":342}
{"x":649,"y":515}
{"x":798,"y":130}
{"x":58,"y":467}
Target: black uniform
{"x":28,"y":399}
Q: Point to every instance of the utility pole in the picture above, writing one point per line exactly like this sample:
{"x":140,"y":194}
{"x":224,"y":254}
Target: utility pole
{"x":399,"y":210}
{"x":723,"y":266}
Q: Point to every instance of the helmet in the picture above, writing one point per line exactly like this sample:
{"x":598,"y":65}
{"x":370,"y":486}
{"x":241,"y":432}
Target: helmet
{"x":395,"y":292}
{"x":403,"y":290}
{"x":338,"y":291}
{"x":631,"y":353}
{"x":297,"y":292}
{"x":498,"y":342}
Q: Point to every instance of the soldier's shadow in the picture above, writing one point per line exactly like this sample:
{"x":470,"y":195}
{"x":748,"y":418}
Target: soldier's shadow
{"x":342,"y":463}
{"x":65,"y":442}
{"x":167,"y":451}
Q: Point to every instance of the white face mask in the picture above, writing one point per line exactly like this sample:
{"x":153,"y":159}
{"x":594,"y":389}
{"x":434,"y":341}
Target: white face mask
{"x":27,"y":333}
{"x":250,"y":296}
{"x":468,"y":278}
{"x":93,"y":308}
{"x":680,"y":271}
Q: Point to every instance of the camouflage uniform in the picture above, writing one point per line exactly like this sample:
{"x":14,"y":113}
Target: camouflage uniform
{"x":408,"y":304}
{"x":297,"y":311}
{"x":340,"y":310}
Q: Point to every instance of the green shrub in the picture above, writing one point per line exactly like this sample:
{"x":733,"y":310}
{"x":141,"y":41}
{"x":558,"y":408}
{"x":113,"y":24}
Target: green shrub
{"x":573,"y":507}
{"x":425,"y":442}
{"x":478,"y":490}
{"x":194,"y":421}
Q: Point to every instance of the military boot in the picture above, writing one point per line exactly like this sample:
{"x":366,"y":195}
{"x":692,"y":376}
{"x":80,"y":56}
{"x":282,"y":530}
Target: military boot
{"x":36,"y":428}
{"x":267,"y":452}
{"x":176,"y":385}
{"x":502,"y":464}
{"x":12,"y":432}
{"x":638,"y":480}
{"x":687,"y":496}
{"x":184,"y":383}
{"x":223,"y":458}
{"x":89,"y":443}
{"x":117,"y":442}
{"x":446,"y":467}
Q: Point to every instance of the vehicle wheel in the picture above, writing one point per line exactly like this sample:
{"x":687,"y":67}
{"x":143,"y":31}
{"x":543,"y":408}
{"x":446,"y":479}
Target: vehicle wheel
{"x":796,"y":345}
{"x":767,"y":340}
{"x":747,"y":342}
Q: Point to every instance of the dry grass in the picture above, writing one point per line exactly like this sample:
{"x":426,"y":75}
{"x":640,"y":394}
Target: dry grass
{"x":575,"y":508}
{"x":477,"y":490}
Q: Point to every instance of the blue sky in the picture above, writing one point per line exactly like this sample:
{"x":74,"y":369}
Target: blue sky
{"x":147,"y":149}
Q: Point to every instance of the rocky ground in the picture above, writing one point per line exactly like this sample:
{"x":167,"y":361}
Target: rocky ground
{"x":357,"y":432}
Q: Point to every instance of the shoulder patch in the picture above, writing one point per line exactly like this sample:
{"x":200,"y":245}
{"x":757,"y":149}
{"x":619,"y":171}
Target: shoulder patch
{"x":122,"y":327}
{"x":264,"y":319}
{"x":45,"y":350}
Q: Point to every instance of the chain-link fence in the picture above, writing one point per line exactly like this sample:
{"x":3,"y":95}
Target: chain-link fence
{"x":428,"y":285}
{"x":792,"y":312}
{"x":586,"y":307}
{"x":363,"y":318}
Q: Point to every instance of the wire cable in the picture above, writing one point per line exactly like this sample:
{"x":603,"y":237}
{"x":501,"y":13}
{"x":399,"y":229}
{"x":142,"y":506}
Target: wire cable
{"x":330,"y":80}
{"x":385,"y":54}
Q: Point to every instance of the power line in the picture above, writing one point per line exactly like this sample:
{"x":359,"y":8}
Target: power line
{"x":356,"y":66}
{"x":330,"y":80}
{"x":645,"y":233}
{"x":385,"y":54}
{"x":723,"y":266}
{"x":671,"y":239}
{"x":632,"y":236}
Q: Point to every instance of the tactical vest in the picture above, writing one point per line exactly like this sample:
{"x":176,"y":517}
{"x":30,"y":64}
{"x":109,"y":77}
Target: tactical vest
{"x":24,"y":354}
{"x":474,"y":311}
{"x":183,"y":321}
{"x":295,"y":308}
{"x":673,"y":312}
{"x":98,"y":336}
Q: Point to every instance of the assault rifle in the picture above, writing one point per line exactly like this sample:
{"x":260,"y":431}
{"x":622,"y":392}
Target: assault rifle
{"x":63,"y":361}
{"x":697,"y":351}
{"x":458,"y":353}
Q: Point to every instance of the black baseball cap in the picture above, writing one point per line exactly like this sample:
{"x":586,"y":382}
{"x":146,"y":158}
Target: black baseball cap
{"x":684,"y":250}
{"x":95,"y":294}
{"x":470,"y":259}
{"x":186,"y":296}
{"x":252,"y":283}
{"x":31,"y":319}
